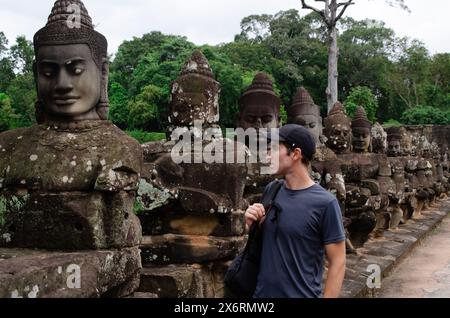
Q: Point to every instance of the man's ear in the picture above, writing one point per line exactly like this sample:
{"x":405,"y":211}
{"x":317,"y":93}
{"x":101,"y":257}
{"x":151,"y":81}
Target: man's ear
{"x":298,"y":154}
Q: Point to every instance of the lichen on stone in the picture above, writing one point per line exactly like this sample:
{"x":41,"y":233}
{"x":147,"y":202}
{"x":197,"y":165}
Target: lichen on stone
{"x":150,"y":198}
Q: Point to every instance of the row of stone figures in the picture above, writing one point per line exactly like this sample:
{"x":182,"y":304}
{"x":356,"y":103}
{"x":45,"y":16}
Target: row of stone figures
{"x":73,"y":182}
{"x":193,"y":212}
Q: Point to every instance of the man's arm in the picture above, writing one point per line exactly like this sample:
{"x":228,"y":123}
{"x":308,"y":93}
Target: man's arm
{"x":336,"y":269}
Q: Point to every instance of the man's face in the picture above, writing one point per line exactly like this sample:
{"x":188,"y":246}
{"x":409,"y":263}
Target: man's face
{"x":69,"y":81}
{"x":310,"y":122}
{"x":285,"y":160}
{"x":256,"y":116}
{"x":361,"y":139}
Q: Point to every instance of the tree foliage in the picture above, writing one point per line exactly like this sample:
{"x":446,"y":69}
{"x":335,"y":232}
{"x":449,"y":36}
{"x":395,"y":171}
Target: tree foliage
{"x":388,"y":75}
{"x":425,"y":115}
{"x":361,"y":96}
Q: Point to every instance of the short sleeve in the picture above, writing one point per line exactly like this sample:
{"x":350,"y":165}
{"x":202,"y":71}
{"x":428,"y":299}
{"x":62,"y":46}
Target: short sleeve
{"x":332,"y":224}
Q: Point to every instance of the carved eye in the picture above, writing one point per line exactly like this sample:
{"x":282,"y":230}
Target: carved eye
{"x":312,"y":125}
{"x":78,"y":71}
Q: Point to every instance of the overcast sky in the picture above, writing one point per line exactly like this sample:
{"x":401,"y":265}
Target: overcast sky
{"x":216,"y":21}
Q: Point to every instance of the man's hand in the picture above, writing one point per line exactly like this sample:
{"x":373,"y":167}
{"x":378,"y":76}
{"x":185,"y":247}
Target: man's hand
{"x":254,"y":213}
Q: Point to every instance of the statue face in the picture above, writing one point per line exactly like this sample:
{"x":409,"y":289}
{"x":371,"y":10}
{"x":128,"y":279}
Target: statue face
{"x":394,"y":148}
{"x":361,"y":139}
{"x":256,"y":116}
{"x":310,"y":122}
{"x":340,"y":138}
{"x":68,"y":80}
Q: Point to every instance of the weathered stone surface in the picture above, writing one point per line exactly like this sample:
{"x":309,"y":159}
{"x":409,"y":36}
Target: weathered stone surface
{"x":172,"y":281}
{"x":195,"y":94}
{"x":44,"y":157}
{"x":195,"y":184}
{"x":70,"y":220}
{"x":357,"y":167}
{"x":259,"y":106}
{"x":372,"y":185}
{"x":43,"y":274}
{"x":379,"y":139}
{"x":215,"y":224}
{"x":357,"y":196}
{"x":306,"y":113}
{"x":185,"y":281}
{"x":338,"y":130}
{"x":385,"y":169}
{"x":188,"y":249}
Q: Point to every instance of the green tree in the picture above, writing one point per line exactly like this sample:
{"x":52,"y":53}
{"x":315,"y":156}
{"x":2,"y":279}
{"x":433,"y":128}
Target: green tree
{"x":22,"y":92}
{"x":144,"y":109}
{"x":8,"y":119}
{"x":118,"y":105}
{"x":6,"y":65}
{"x":22,"y":53}
{"x":425,"y":115}
{"x":333,"y":11}
{"x":362,"y":96}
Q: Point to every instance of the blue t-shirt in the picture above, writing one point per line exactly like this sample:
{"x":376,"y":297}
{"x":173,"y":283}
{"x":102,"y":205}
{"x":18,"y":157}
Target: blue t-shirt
{"x":292,"y":262}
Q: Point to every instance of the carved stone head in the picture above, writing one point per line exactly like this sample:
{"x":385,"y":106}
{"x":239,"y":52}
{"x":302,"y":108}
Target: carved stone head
{"x":259,"y":106}
{"x":338,"y":130}
{"x":195,"y":94}
{"x":71,"y":68}
{"x":394,"y":136}
{"x":362,"y":131}
{"x":379,"y":139}
{"x":304,"y":112}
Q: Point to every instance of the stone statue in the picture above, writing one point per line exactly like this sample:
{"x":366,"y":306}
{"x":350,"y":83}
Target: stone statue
{"x":259,"y":106}
{"x":379,"y":139}
{"x":70,"y":181}
{"x":338,"y":130}
{"x":192,"y":212}
{"x":394,"y":137}
{"x":304,"y":112}
{"x":195,"y":94}
{"x":361,"y":129}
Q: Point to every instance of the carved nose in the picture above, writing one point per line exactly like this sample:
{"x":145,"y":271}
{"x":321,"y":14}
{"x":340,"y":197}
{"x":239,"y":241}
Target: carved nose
{"x":258,"y":123}
{"x":64,"y":83}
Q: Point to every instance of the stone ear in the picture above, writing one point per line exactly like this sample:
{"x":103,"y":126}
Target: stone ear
{"x":103,"y":105}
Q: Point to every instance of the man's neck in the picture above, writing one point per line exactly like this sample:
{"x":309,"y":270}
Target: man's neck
{"x":298,"y":179}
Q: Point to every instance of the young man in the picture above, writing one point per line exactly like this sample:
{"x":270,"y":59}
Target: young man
{"x":308,"y":225}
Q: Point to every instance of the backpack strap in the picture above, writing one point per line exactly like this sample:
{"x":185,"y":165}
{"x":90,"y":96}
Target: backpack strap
{"x":268,"y":201}
{"x":269,"y":198}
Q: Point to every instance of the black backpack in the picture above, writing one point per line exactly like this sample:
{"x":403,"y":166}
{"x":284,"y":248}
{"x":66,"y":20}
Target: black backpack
{"x":242,"y":275}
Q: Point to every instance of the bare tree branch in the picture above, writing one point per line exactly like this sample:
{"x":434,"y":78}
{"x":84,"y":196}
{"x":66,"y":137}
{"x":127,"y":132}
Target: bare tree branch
{"x":345,"y":6}
{"x":322,"y":14}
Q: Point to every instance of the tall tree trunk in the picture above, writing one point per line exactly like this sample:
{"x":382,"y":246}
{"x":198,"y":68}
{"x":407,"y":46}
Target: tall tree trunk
{"x":333,"y":52}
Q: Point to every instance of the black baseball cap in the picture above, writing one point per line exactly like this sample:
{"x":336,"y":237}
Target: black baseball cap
{"x":295,"y":136}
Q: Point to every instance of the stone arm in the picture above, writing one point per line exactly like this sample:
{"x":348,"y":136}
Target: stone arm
{"x":119,"y":183}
